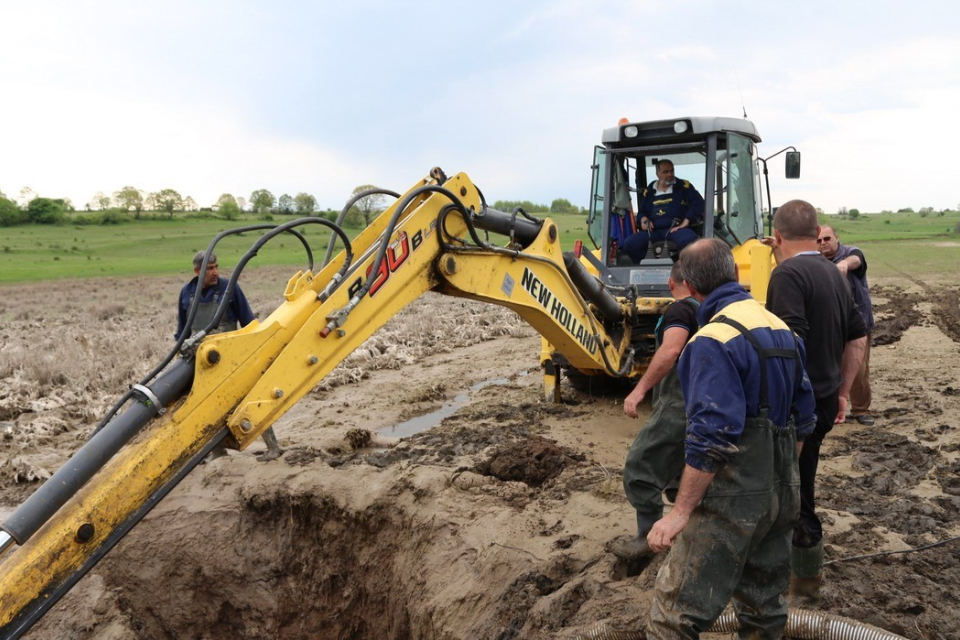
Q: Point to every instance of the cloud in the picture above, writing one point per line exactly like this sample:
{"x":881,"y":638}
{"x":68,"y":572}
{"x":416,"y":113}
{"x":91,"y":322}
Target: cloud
{"x":84,"y":142}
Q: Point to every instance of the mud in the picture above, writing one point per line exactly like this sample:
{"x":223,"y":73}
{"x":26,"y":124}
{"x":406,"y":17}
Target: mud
{"x":492,"y":524}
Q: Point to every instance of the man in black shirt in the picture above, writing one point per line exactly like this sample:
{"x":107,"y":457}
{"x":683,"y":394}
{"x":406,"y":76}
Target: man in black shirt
{"x":656,"y":456}
{"x":811,"y":295}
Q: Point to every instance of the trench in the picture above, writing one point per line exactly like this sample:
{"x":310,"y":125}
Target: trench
{"x":291,"y":566}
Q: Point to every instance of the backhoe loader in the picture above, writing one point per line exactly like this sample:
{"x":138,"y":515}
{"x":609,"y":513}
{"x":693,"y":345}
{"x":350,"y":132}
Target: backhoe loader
{"x":595,"y":313}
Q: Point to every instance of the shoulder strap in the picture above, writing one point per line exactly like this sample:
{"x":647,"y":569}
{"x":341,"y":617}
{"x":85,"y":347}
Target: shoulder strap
{"x":763,"y":354}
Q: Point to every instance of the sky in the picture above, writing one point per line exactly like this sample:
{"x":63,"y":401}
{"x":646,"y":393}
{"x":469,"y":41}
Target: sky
{"x":213,"y":97}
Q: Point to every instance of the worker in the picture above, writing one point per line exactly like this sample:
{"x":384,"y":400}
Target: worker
{"x":656,"y":456}
{"x":808,"y":293}
{"x":749,"y":404}
{"x":852,"y":263}
{"x":238,"y":312}
{"x":667,"y":209}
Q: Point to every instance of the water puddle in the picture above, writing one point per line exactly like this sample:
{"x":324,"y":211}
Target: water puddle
{"x":432,"y":419}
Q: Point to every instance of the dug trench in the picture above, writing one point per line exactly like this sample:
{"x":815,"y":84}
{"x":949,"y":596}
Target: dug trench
{"x":492,"y":524}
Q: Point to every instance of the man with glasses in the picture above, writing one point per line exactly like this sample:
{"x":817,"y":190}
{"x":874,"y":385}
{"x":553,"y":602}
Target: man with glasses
{"x":852,"y":263}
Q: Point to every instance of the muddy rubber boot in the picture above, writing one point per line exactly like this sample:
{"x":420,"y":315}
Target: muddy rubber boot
{"x":806,"y":576}
{"x":273,"y":446}
{"x":634,"y":548}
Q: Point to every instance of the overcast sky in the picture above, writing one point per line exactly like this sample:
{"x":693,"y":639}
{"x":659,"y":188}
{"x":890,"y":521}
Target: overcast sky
{"x":208,"y":97}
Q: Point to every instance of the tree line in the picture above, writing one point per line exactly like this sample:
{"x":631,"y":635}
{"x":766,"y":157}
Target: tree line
{"x":130,"y":203}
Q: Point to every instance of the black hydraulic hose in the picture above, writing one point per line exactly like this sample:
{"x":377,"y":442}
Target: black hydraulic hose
{"x":346,"y":208}
{"x":90,"y":458}
{"x":194,"y":305}
{"x":252,"y":252}
{"x":37,"y":608}
{"x":627,"y":364}
{"x":401,"y":207}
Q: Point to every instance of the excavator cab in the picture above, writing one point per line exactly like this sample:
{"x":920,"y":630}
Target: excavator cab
{"x":717,"y":156}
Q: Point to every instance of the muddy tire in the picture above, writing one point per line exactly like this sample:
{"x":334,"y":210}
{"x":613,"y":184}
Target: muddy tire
{"x":599,"y":384}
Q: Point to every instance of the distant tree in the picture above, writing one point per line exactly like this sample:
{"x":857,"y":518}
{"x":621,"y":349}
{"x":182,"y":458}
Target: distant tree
{"x":224,"y":198}
{"x":369,"y":206}
{"x":842,"y":212}
{"x":45,"y":211}
{"x":854,"y":214}
{"x":819,"y":211}
{"x":526,"y":205}
{"x":285,"y":204}
{"x":305,"y":203}
{"x":562,"y":205}
{"x":262,"y":201}
{"x":168,"y":200}
{"x":10,"y":213}
{"x":100,"y":201}
{"x":905,"y":210}
{"x":229,"y":209}
{"x":189,"y":204}
{"x":130,"y":199}
{"x":242,"y":203}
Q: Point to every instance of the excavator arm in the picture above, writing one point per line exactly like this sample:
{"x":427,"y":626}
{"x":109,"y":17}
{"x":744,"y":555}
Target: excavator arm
{"x":233,"y":386}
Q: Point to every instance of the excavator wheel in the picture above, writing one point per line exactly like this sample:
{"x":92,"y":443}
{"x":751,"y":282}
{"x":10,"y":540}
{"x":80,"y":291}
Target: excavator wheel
{"x":598,"y":385}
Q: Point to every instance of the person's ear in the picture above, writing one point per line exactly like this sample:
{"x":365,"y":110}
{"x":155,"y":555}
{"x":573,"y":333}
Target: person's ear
{"x":736,"y":270}
{"x":777,"y":237}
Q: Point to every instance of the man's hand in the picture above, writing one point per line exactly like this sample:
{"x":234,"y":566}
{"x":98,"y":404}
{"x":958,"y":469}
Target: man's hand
{"x":665,"y":530}
{"x":771,"y":242}
{"x":842,"y":410}
{"x":843,"y":266}
{"x":632,"y":401}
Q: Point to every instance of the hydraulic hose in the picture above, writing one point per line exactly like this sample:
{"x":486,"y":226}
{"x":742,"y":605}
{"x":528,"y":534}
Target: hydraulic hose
{"x":84,"y":464}
{"x":346,"y":208}
{"x":194,"y":305}
{"x":252,"y":252}
{"x":801,"y":625}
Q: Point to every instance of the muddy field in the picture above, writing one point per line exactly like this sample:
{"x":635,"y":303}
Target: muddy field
{"x":493,"y":522}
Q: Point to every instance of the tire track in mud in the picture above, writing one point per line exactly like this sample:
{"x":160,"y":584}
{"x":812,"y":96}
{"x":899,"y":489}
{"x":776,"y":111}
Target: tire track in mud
{"x":901,"y":309}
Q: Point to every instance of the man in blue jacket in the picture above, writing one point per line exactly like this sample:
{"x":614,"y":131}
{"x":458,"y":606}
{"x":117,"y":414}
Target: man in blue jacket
{"x":237,"y":314}
{"x":667,"y":209}
{"x":749,"y":406}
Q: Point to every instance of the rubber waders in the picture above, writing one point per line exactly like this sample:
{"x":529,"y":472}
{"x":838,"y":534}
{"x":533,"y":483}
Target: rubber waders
{"x":806,"y":575}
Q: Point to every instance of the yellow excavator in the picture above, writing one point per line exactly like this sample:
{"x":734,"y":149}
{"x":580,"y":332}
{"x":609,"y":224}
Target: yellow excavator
{"x":595,"y":311}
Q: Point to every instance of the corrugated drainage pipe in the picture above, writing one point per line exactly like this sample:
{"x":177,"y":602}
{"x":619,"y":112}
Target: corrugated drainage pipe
{"x":801,"y":625}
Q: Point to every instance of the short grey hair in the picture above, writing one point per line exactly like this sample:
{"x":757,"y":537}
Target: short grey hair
{"x":198,"y":259}
{"x":796,"y":220}
{"x":707,"y":264}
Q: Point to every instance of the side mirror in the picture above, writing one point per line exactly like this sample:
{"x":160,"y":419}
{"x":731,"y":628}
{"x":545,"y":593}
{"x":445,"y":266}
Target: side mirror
{"x":793,"y":164}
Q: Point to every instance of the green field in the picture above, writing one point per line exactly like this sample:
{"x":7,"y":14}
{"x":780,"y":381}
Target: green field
{"x":893,"y":243}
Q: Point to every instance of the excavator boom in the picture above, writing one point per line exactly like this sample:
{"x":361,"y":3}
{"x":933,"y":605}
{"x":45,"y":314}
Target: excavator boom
{"x":235,"y":385}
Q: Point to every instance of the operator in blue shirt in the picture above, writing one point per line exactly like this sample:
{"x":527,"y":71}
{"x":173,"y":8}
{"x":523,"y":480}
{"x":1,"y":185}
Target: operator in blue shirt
{"x":667,"y":209}
{"x":749,"y":407}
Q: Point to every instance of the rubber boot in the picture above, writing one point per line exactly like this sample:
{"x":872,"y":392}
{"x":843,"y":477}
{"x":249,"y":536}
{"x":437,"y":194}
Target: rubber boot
{"x":806,"y":576}
{"x":273,"y":446}
{"x":636,"y":548}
